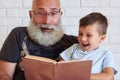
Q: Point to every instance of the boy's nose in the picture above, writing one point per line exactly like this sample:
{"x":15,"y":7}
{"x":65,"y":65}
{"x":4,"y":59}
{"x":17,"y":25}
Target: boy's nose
{"x":83,"y":38}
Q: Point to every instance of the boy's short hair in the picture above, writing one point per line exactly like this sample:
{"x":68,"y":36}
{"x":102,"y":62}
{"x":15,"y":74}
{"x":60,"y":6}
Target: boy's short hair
{"x":95,"y":17}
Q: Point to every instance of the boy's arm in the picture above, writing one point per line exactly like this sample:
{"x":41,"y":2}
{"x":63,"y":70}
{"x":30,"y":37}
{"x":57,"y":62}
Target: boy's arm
{"x":7,"y":70}
{"x":107,"y":74}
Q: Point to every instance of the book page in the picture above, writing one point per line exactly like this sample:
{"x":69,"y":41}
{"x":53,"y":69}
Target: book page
{"x":72,"y":61}
{"x":74,"y":70}
{"x":38,"y":70}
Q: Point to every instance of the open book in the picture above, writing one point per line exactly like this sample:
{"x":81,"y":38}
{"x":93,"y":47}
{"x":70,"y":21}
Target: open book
{"x":40,"y":68}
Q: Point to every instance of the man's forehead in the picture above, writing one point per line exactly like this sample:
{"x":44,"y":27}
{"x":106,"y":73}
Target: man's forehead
{"x":46,"y":4}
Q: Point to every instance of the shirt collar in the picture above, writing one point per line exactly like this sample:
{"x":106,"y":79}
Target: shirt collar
{"x":88,"y":52}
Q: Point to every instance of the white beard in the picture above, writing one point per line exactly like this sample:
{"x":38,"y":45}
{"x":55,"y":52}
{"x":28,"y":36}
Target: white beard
{"x":45,"y":38}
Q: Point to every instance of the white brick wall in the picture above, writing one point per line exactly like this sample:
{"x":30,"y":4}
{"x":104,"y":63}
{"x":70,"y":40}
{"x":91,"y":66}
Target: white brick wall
{"x":14,"y":13}
{"x":11,"y":3}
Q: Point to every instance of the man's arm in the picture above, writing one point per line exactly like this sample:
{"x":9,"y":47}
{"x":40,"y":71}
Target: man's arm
{"x":107,"y":74}
{"x":7,"y":70}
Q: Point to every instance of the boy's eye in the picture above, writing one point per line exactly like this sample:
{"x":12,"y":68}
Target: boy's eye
{"x":80,"y":34}
{"x":89,"y":35}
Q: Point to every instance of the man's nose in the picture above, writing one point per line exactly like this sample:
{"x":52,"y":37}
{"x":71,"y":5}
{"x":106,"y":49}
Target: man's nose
{"x":47,"y":19}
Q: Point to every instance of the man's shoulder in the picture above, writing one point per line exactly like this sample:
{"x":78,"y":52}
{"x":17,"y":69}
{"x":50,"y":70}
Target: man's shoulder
{"x":18,"y":32}
{"x":68,"y":40}
{"x":19,"y":29}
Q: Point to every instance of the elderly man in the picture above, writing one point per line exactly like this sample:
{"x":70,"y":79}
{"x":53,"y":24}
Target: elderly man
{"x":43,"y":37}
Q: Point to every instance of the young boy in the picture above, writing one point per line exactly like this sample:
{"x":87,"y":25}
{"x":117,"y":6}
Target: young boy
{"x":92,"y":32}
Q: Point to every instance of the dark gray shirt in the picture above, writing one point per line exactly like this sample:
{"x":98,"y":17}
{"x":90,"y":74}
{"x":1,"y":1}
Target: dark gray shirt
{"x":13,"y":46}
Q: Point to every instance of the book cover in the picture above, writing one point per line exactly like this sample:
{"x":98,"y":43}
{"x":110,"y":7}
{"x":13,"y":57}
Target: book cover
{"x":40,"y":68}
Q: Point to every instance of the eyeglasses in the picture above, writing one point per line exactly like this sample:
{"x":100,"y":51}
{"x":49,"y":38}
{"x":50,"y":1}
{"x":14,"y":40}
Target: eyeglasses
{"x":42,"y":13}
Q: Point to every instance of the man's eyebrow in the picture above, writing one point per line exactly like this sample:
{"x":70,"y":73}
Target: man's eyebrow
{"x":50,"y":9}
{"x":41,"y":9}
{"x":55,"y":8}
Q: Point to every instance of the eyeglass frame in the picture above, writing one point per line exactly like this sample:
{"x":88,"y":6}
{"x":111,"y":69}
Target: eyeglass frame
{"x":43,"y":14}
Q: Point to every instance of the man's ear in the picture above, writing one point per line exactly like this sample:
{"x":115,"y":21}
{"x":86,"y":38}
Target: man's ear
{"x":30,"y":14}
{"x":61,"y":12}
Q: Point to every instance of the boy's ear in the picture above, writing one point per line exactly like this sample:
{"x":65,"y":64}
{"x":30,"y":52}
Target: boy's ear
{"x":103,"y":37}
